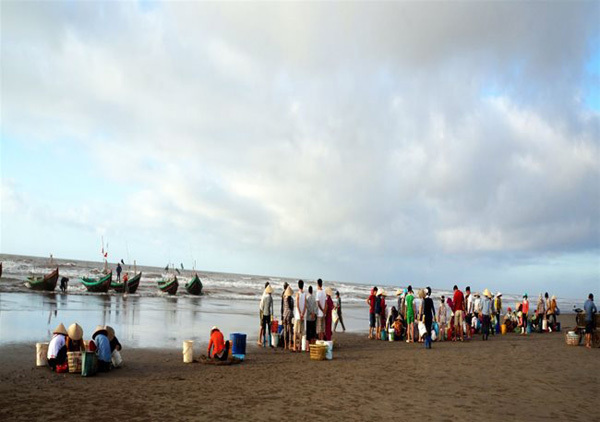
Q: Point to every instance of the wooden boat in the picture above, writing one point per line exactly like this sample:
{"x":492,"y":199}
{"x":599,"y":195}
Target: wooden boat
{"x":132,"y":284}
{"x":169,"y":286}
{"x":194,"y":287}
{"x":100,"y":285}
{"x":0,"y":269}
{"x":46,"y":283}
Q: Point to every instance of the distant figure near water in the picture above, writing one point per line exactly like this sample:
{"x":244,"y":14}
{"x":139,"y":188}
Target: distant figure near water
{"x":119,"y":269}
{"x":64,"y":284}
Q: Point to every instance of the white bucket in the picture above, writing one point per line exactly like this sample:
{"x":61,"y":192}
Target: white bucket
{"x":117,"y":360}
{"x":304,"y":343}
{"x":544,"y":324}
{"x":41,"y":353}
{"x":188,"y":351}
{"x":391,"y":333}
{"x":274,"y":340}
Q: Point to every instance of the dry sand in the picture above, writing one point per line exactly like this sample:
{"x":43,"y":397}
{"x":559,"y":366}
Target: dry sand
{"x":508,"y":377}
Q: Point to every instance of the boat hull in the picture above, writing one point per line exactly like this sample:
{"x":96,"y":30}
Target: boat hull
{"x":168,"y":286}
{"x":132,"y":284}
{"x":194,"y":287}
{"x":100,"y":285}
{"x":46,"y":283}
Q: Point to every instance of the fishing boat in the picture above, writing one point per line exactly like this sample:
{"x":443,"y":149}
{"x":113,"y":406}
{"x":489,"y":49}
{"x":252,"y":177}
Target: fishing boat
{"x":194,"y":287}
{"x":100,"y":285}
{"x":169,"y":285}
{"x":132,"y":284}
{"x":46,"y":283}
{"x":0,"y":269}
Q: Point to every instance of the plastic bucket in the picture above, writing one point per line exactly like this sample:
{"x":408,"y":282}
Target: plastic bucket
{"x":117,"y":360}
{"x":503,"y":329}
{"x":545,"y":325}
{"x":188,"y":351}
{"x":280,"y":329}
{"x":274,"y":326}
{"x":304,"y":348}
{"x":238,"y":343}
{"x":529,"y":327}
{"x":391,"y":334}
{"x":274,"y":340}
{"x":41,"y":354}
{"x":436,"y":328}
{"x":89,"y":364}
{"x":383,"y":335}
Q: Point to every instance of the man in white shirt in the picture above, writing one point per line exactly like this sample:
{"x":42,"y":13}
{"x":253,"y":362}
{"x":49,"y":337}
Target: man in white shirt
{"x":299,"y":316}
{"x":321,"y":298}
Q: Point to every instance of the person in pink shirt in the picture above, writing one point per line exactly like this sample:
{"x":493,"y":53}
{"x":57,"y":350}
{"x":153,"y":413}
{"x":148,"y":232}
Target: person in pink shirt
{"x":524,"y":312}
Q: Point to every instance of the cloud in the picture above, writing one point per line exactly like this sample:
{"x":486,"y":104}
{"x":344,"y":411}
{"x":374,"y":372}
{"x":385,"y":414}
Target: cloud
{"x":328,"y":134}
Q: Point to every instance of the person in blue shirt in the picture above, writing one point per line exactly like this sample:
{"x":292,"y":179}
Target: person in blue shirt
{"x":103,"y":351}
{"x":590,"y":315}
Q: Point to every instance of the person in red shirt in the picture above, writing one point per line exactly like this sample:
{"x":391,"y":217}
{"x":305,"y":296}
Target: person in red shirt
{"x":459,"y":312}
{"x":220,"y":348}
{"x":371,"y":303}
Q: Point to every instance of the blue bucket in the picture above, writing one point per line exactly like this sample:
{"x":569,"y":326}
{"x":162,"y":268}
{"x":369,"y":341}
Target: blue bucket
{"x":280,"y":329}
{"x":436,"y":328}
{"x":238,"y":343}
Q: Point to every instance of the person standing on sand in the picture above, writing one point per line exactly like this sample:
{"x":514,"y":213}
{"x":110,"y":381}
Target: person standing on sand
{"x":429,"y":316}
{"x":328,"y":313}
{"x":311,"y":317}
{"x":468,"y":310}
{"x":498,"y":310}
{"x":286,"y":317}
{"x":380,"y":323}
{"x":552,"y":311}
{"x":400,"y":294}
{"x":590,"y":318}
{"x":267,"y":313}
{"x":459,"y":311}
{"x":299,"y":316}
{"x":442,"y":318}
{"x":486,"y":310}
{"x":524,"y":312}
{"x":338,"y":309}
{"x":260,"y":317}
{"x":540,"y":312}
{"x":285,"y":286}
{"x":371,"y":303}
{"x":410,"y":315}
{"x":321,"y":299}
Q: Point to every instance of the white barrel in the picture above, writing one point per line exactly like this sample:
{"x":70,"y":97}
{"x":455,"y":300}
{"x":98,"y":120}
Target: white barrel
{"x":274,"y":339}
{"x":304,"y":348}
{"x":41,"y":353}
{"x":188,"y":351}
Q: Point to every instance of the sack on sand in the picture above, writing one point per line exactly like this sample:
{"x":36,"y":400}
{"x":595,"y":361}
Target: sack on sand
{"x":422,"y":329}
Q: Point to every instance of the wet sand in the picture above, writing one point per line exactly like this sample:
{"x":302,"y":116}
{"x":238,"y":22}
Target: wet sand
{"x":509,"y":377}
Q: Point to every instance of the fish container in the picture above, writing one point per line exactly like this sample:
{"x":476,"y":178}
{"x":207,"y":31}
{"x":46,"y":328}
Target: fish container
{"x":74,"y":359}
{"x":383,"y":335}
{"x":304,"y":344}
{"x":274,"y":340}
{"x":274,"y":326}
{"x":188,"y":351}
{"x":89,"y":364}
{"x":503,"y":329}
{"x":41,"y":354}
{"x":318,"y":351}
{"x":238,"y":343}
{"x":391,"y":334}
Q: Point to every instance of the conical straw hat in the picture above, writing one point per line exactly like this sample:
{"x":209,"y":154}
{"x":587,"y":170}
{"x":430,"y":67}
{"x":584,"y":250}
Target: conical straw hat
{"x":399,"y":292}
{"x":75,"y":332}
{"x":98,"y":330}
{"x":329,"y":291}
{"x":288,"y":291}
{"x":269,"y":289}
{"x":60,"y":329}
{"x":422,"y":294}
{"x":487,"y":293}
{"x":111,"y":332}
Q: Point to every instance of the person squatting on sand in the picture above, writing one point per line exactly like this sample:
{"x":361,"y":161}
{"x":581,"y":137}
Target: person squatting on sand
{"x":74,"y":340}
{"x":217,"y":347}
{"x":57,"y":349}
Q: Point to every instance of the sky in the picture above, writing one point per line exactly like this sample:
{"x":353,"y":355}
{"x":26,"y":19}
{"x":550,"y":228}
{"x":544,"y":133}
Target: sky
{"x":390,"y":143}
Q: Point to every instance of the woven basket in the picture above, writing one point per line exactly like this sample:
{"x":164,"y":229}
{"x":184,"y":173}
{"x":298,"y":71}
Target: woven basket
{"x":572,"y":339}
{"x":74,"y":359}
{"x":318,"y":351}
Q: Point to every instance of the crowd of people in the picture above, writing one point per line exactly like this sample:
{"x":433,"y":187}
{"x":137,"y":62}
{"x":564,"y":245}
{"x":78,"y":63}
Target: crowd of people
{"x":305,"y":315}
{"x":416,"y":318}
{"x":103,"y":342}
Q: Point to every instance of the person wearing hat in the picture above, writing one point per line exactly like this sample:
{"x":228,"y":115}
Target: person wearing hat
{"x":328,"y":313}
{"x":285,"y":286}
{"x":540,"y":313}
{"x":400,"y":294}
{"x":380,"y":311}
{"x":552,"y":311}
{"x":286,"y":318}
{"x":57,"y":349}
{"x":267,"y":313}
{"x":260,"y":317}
{"x":498,"y":310}
{"x":524,"y":312}
{"x":114,"y":341}
{"x":338,"y":309}
{"x":100,"y":338}
{"x":75,"y":339}
{"x":485,"y":314}
{"x":217,"y":347}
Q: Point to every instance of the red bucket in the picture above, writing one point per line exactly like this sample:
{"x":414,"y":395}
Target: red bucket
{"x":274,"y":326}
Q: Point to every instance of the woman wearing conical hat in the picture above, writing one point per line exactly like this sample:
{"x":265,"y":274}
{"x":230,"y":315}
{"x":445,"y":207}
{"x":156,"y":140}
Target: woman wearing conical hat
{"x":100,"y":337}
{"x":75,"y":338}
{"x":486,"y":312}
{"x":57,"y":349}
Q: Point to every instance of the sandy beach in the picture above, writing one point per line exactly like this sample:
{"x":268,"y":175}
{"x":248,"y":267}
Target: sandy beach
{"x":509,"y":377}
